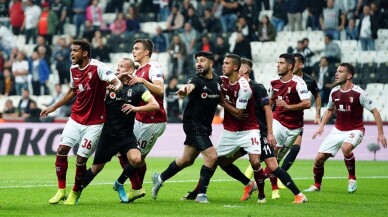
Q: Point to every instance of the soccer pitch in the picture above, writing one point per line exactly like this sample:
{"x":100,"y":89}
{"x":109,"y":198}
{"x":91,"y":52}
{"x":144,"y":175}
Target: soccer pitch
{"x":26,"y":184}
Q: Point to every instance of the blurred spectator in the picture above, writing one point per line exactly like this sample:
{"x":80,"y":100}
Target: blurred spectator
{"x":174,"y":21}
{"x":210,"y":24}
{"x":89,"y":31}
{"x":299,"y":47}
{"x":329,"y":20}
{"x":40,"y":72}
{"x":20,"y":71}
{"x":47,"y":24}
{"x":65,"y":110}
{"x":367,"y":29}
{"x":16,"y":16}
{"x":221,"y":48}
{"x":324,"y":74}
{"x":133,"y":20}
{"x":8,"y":83}
{"x":347,"y":7}
{"x":102,"y":51}
{"x":97,"y":35}
{"x":31,"y":18}
{"x":351,"y":30}
{"x":266,"y":31}
{"x":189,"y":37}
{"x":24,"y":103}
{"x":314,"y":9}
{"x":229,"y":15}
{"x":4,"y":12}
{"x":62,"y":61}
{"x":206,"y":44}
{"x":7,"y":40}
{"x":60,"y":9}
{"x":119,"y":25}
{"x":259,"y":5}
{"x":160,"y":41}
{"x":377,"y":15}
{"x":332,"y":51}
{"x":279,"y":16}
{"x":172,"y":100}
{"x":177,"y":51}
{"x":79,"y":15}
{"x":149,"y":7}
{"x":33,"y":114}
{"x":184,"y":7}
{"x":94,"y":15}
{"x":217,"y":9}
{"x":295,"y":9}
{"x":242,"y":47}
{"x":192,"y":18}
{"x":11,"y":59}
{"x":114,"y":6}
{"x":203,"y":5}
{"x":9,"y":110}
{"x":250,"y":13}
{"x":164,"y":10}
{"x":41,"y":42}
{"x":246,"y":29}
{"x":308,"y":54}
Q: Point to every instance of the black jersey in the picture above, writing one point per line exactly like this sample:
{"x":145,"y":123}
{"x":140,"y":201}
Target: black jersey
{"x":203,"y":101}
{"x":118,"y":123}
{"x":311,"y":83}
{"x":261,"y":99}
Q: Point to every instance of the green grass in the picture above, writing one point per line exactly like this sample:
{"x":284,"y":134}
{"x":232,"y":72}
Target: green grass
{"x":26,"y":184}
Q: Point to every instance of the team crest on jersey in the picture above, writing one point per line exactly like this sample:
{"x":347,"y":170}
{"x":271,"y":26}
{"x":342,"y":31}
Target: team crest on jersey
{"x":235,"y":93}
{"x":204,"y":95}
{"x":289,"y":90}
{"x":351,"y":99}
{"x":219,"y":87}
{"x":129,"y":93}
{"x":112,"y":95}
{"x":90,"y":75}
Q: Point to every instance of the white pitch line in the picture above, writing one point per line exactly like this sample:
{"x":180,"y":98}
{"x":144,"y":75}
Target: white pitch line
{"x":147,"y":182}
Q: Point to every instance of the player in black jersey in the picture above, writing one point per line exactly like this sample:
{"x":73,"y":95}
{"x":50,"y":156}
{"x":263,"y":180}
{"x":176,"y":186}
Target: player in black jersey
{"x":264,"y":117}
{"x":203,"y":90}
{"x":117,"y":134}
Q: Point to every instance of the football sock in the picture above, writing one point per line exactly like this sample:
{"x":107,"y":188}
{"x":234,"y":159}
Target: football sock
{"x":350,"y":162}
{"x":171,"y":170}
{"x":286,"y":180}
{"x":79,"y":176}
{"x":274,"y":181}
{"x":141,"y":171}
{"x":204,"y":179}
{"x":123,"y":161}
{"x":259,"y":178}
{"x":290,"y":158}
{"x":135,"y":181}
{"x":234,"y":172}
{"x":318,"y":174}
{"x":128,"y":171}
{"x":88,"y":178}
{"x":61,"y":165}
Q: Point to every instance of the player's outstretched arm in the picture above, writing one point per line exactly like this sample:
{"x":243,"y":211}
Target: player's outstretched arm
{"x":156,"y":87}
{"x":380,"y":130}
{"x":150,"y":106}
{"x":69,"y":95}
{"x":326,"y":116}
{"x":185,"y":90}
{"x":116,"y":85}
{"x":235,"y":112}
{"x":318,"y":105}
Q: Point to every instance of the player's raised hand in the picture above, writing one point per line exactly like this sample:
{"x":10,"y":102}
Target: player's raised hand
{"x":182,"y":92}
{"x":128,"y":108}
{"x":318,"y":132}
{"x":46,"y":111}
{"x":281,"y":104}
{"x":271,"y":139}
{"x":382,"y":140}
{"x":135,"y":80}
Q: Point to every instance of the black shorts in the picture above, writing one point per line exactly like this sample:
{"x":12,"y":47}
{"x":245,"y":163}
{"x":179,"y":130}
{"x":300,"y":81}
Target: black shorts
{"x":197,"y":138}
{"x":266,"y":150}
{"x":108,"y":146}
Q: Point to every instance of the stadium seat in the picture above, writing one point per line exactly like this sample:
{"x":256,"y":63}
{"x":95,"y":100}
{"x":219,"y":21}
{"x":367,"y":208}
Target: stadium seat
{"x":44,"y":101}
{"x":349,"y":46}
{"x":381,"y":56}
{"x":366,"y":56}
{"x":69,"y":29}
{"x":374,"y":89}
{"x":381,"y":44}
{"x":315,"y":36}
{"x":382,"y":34}
{"x":368,"y":116}
{"x":108,"y":18}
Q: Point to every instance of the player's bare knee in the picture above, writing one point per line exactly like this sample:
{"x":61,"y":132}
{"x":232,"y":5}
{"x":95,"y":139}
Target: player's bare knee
{"x":135,"y":161}
{"x":97,"y":168}
{"x":63,"y":150}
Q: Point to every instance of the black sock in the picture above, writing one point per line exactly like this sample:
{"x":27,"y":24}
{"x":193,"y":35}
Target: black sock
{"x":171,"y":170}
{"x":88,"y":178}
{"x":127,"y":172}
{"x":290,"y":158}
{"x":204,"y":179}
{"x":286,"y":180}
{"x":234,"y":172}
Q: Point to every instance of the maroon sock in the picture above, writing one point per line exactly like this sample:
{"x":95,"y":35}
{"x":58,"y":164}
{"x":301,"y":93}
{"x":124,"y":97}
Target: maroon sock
{"x":259,"y":178}
{"x":61,"y":170}
{"x":135,"y":181}
{"x":267,"y":172}
{"x":79,"y":175}
{"x":318,"y":174}
{"x":350,"y":162}
{"x":123,"y":160}
{"x":141,"y":171}
{"x":274,"y":181}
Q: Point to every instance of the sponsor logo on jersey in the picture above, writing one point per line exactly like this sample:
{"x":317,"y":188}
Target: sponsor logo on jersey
{"x":336,"y":100}
{"x":75,"y":78}
{"x":274,"y":89}
{"x":219,"y":87}
{"x":205,"y":95}
{"x":112,"y":95}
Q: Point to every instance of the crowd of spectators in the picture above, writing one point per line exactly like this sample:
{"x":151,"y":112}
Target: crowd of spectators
{"x":220,"y":26}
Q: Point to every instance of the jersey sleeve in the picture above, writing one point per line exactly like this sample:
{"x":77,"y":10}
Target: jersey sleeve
{"x":262,"y":95}
{"x":330,"y":103}
{"x":244,"y":94}
{"x":104,"y":72}
{"x":314,"y":87}
{"x":366,"y":101}
{"x":71,"y":83}
{"x":302,"y":90}
{"x":156,"y":72}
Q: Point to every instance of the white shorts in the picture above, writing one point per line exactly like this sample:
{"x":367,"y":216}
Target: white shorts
{"x":336,"y":138}
{"x":284,"y":136}
{"x":86,"y":136}
{"x":230,"y":142}
{"x":147,"y":134}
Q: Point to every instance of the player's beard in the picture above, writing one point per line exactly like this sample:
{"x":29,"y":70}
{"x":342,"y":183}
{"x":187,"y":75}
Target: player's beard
{"x":204,"y":71}
{"x":281,"y":74}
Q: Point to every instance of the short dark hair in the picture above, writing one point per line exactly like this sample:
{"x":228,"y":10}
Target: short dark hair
{"x":85,"y":46}
{"x":247,"y":61}
{"x":147,"y":43}
{"x":329,"y":36}
{"x":299,"y":56}
{"x":349,"y":67}
{"x":290,"y":59}
{"x":208,"y":55}
{"x":236,"y":59}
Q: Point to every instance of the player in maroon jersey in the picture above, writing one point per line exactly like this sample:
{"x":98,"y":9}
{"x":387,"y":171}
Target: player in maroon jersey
{"x":149,"y":126}
{"x":89,"y":78}
{"x":348,"y":101}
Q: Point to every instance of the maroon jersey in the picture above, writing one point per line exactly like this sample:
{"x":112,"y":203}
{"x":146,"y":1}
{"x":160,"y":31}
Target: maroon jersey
{"x":239,"y":95}
{"x":152,"y":71}
{"x":90,"y":86}
{"x":349,"y":106}
{"x":292,"y":92}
